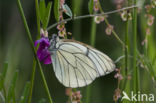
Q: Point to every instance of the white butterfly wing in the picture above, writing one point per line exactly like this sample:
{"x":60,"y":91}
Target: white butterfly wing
{"x":102,"y":62}
{"x":76,"y":65}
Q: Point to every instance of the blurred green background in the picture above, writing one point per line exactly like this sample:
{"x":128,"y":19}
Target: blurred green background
{"x":15,"y":49}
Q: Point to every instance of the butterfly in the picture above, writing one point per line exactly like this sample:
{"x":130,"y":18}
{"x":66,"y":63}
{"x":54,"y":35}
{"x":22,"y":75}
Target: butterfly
{"x":76,"y":64}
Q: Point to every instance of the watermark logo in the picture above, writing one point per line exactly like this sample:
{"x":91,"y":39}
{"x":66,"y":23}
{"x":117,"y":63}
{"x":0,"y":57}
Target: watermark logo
{"x":137,"y":97}
{"x":125,"y":96}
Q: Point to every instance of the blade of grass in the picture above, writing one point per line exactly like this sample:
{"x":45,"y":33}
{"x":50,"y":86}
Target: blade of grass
{"x":33,"y":49}
{"x":5,"y":67}
{"x":134,"y":50}
{"x":48,"y":12}
{"x":126,"y":49}
{"x":3,"y":94}
{"x":34,"y":62}
{"x":11,"y":92}
{"x":126,"y":83}
{"x":25,"y":94}
{"x":32,"y":80}
{"x":44,"y":13}
{"x":2,"y":98}
{"x":56,"y":9}
{"x":151,"y":48}
{"x":90,"y":6}
{"x":37,"y":16}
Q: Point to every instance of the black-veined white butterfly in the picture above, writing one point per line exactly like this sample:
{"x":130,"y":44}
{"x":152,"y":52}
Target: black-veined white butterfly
{"x":76,"y":64}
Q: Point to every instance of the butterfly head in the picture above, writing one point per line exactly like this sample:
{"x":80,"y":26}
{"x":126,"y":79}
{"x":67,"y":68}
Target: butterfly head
{"x":53,"y":42}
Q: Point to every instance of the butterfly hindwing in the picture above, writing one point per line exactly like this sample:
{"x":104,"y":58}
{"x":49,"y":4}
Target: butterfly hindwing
{"x":77,"y":65}
{"x":102,"y":62}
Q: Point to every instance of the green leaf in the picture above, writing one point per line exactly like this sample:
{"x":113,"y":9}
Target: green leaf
{"x":45,"y":13}
{"x":11,"y":92}
{"x":67,"y":10}
{"x":90,"y":6}
{"x":25,"y":94}
{"x":42,"y":8}
{"x":56,"y":9}
{"x":2,"y":76}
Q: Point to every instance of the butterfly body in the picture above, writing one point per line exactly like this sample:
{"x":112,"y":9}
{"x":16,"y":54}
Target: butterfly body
{"x":77,"y":64}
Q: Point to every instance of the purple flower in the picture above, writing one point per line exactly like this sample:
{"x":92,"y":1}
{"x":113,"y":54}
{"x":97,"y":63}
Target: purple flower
{"x":43,"y":53}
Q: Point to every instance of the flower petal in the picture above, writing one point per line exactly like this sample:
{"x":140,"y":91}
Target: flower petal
{"x":43,"y":53}
{"x":48,"y":60}
{"x":36,"y":42}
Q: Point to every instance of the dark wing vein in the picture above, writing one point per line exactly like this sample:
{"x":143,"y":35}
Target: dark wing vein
{"x":81,"y":72}
{"x":66,"y":59}
{"x":69,"y":44}
{"x":64,"y":66}
{"x":76,"y":77}
{"x":107,"y":60}
{"x":98,"y":61}
{"x":104,"y":57}
{"x":71,"y":65}
{"x":68,"y":75}
{"x":55,"y":64}
{"x":68,"y":67}
{"x":84,"y":55}
{"x":76,"y":68}
{"x":79,"y":58}
{"x":86,"y":63}
{"x":76,"y":74}
{"x":60,"y":68}
{"x":87,"y":72}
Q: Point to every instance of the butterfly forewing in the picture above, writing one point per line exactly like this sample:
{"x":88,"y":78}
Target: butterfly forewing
{"x":77,"y":65}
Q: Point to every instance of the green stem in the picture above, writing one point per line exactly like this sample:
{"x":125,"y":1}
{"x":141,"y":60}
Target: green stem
{"x":88,"y":94}
{"x":37,"y":16}
{"x":34,"y":51}
{"x":126,"y":83}
{"x":77,"y":24}
{"x":92,"y":42}
{"x":32,"y":80}
{"x":34,"y":62}
{"x":134,"y":50}
{"x":126,"y":49}
{"x":5,"y":94}
{"x":45,"y":83}
{"x":89,"y":16}
{"x":125,"y":70}
{"x":93,"y":33}
{"x":13,"y":97}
